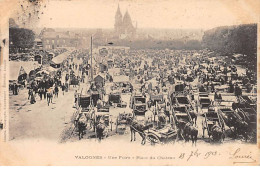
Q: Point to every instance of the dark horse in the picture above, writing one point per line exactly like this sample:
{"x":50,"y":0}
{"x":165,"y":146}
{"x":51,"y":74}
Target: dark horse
{"x":217,"y":133}
{"x":100,"y":127}
{"x":190,"y":132}
{"x":139,"y":127}
{"x":82,"y":124}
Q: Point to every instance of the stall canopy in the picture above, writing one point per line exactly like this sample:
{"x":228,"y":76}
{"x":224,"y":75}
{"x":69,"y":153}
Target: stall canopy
{"x":60,"y":58}
{"x":19,"y":68}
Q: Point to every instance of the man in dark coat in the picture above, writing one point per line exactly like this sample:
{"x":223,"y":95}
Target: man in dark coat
{"x":15,"y":89}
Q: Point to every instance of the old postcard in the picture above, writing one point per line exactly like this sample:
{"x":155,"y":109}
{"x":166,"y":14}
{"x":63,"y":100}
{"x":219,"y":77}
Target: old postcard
{"x":129,"y":82}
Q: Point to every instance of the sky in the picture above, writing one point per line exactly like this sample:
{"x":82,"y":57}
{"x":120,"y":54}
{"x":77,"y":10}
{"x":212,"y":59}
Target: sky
{"x":178,"y":14}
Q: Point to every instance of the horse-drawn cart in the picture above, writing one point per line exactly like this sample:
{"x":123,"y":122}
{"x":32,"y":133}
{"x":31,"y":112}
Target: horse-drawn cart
{"x":138,"y":104}
{"x":204,"y":100}
{"x":164,"y":135}
{"x":122,"y":120}
{"x":234,"y":121}
{"x":213,"y":124}
{"x":180,"y":113}
{"x":116,"y":100}
{"x":103,"y":115}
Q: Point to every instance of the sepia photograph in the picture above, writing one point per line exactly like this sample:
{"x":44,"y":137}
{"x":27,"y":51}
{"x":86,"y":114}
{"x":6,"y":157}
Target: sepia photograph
{"x":127,"y":82}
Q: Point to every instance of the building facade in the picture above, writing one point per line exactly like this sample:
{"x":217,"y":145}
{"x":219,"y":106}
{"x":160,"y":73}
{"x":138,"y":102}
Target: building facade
{"x":53,"y":40}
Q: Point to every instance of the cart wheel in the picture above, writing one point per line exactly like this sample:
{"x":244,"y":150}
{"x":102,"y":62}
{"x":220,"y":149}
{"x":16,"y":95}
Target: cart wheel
{"x":153,"y":139}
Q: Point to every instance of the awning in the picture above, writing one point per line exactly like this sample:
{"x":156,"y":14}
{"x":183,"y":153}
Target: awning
{"x":18,"y":68}
{"x":60,"y":58}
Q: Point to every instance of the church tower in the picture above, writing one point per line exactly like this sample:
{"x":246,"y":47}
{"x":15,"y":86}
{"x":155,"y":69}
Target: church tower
{"x":118,"y":21}
{"x":123,"y":25}
{"x":127,"y":24}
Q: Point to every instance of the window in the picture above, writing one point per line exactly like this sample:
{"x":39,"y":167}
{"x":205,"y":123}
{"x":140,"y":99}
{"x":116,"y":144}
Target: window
{"x":63,"y":41}
{"x":52,"y":41}
{"x":47,"y":41}
{"x":58,"y":41}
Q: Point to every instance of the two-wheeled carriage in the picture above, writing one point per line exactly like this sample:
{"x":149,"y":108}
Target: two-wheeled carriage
{"x":83,"y":116}
{"x":116,"y":100}
{"x":122,"y":120}
{"x":213,"y":123}
{"x":102,"y":122}
{"x":161,"y":136}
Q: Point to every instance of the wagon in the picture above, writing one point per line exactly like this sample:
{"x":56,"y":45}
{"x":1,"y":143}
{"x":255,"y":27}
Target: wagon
{"x":204,"y":100}
{"x":211,"y":118}
{"x":103,"y":113}
{"x":122,"y":120}
{"x":247,"y":101}
{"x":84,"y":101}
{"x":157,"y":99}
{"x":161,"y":136}
{"x":247,"y":113}
{"x":180,"y":113}
{"x":138,"y":104}
{"x":116,"y":99}
{"x":230,"y":117}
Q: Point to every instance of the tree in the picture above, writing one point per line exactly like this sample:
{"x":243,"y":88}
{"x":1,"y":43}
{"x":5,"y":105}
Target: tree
{"x":229,"y":40}
{"x":21,"y":38}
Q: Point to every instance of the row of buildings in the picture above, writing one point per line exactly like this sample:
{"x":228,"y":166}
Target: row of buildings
{"x":50,"y":39}
{"x":124,"y":29}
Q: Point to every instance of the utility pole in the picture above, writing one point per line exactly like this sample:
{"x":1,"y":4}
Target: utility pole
{"x":91,"y":60}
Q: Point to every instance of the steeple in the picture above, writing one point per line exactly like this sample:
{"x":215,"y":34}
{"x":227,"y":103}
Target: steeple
{"x":127,"y":21}
{"x":118,"y":12}
{"x":118,"y":20}
{"x":123,"y":25}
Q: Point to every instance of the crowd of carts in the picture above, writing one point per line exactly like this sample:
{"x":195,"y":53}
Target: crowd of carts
{"x":163,"y":120}
{"x":166,"y":114}
{"x":159,"y":120}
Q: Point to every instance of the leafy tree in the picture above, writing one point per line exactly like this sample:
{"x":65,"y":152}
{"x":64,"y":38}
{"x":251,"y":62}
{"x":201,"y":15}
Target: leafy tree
{"x":229,"y":40}
{"x":21,"y":38}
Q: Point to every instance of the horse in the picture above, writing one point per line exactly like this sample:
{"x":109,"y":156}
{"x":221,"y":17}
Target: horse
{"x":100,"y":128}
{"x":190,"y":131}
{"x":139,"y":127}
{"x":82,"y":124}
{"x":180,"y":124}
{"x":49,"y":96}
{"x":217,"y":133}
{"x":161,"y":120}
